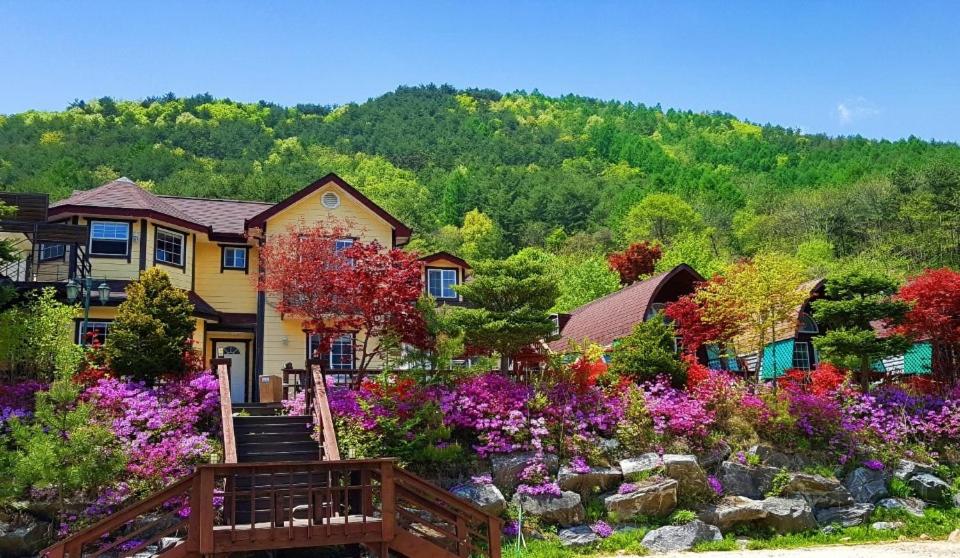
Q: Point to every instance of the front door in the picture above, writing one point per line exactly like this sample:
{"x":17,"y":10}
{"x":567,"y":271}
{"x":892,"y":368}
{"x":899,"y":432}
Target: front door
{"x":236,"y":351}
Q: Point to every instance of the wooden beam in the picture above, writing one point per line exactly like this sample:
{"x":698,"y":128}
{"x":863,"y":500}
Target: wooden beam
{"x":222,"y":366}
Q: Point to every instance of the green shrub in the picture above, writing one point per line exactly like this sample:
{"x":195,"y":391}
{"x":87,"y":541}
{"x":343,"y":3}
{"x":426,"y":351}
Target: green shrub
{"x":682,"y":517}
{"x":153,"y":326}
{"x":648,"y":352}
{"x":779,"y":482}
{"x":36,"y":337}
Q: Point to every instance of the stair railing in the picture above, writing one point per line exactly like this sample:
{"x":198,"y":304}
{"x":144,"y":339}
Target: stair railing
{"x":319,"y":405}
{"x":222,"y":367}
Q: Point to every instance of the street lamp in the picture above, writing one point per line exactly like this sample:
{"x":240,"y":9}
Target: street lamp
{"x":85,"y":289}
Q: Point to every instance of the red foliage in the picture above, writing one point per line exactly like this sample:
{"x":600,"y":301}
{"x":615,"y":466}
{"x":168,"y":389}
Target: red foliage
{"x":824,"y":380}
{"x":696,"y":372}
{"x":689,"y":315}
{"x":637,"y":260}
{"x":362,"y":288}
{"x":935,"y":316}
{"x":585,"y":373}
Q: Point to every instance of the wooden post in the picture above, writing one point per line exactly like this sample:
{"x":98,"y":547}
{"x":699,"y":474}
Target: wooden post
{"x":222,"y":366}
{"x":321,"y":413}
{"x":463,"y":542}
{"x":388,"y":500}
{"x":493,"y":535}
{"x":205,"y":508}
{"x":193,"y":528}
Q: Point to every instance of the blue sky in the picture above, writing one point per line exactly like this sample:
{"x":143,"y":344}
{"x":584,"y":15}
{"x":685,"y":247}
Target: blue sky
{"x":879,"y":69}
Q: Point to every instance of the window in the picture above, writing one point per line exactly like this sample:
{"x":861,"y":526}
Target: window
{"x":440,"y":283}
{"x":235,"y":257}
{"x":52,"y":251}
{"x":801,"y":355}
{"x":168,"y":248}
{"x":109,"y":238}
{"x":654,"y":309}
{"x":96,"y":332}
{"x":807,"y":325}
{"x":342,"y":244}
{"x":340,"y":356}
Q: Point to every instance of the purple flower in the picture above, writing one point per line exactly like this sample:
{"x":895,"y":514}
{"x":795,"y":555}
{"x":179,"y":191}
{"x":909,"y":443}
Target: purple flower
{"x":579,"y":465}
{"x":627,"y":488}
{"x":511,"y":528}
{"x":482,"y":479}
{"x":545,"y":489}
{"x":715,"y":485}
{"x":873,"y":465}
{"x":601,"y":529}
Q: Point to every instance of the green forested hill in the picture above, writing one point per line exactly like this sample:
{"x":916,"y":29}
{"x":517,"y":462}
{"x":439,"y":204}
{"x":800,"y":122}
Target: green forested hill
{"x":576,"y":175}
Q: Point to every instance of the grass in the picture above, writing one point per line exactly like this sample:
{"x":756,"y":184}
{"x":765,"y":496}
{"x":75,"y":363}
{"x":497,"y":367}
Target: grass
{"x":936,"y":523}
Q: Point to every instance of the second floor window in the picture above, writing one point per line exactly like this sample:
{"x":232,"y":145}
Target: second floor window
{"x":109,"y":238}
{"x":441,"y":282}
{"x":52,"y":251}
{"x":169,"y":248}
{"x":96,"y":332}
{"x":234,"y":257}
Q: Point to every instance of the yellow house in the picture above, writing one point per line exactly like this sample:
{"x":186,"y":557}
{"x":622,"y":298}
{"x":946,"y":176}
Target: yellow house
{"x":209,"y":248}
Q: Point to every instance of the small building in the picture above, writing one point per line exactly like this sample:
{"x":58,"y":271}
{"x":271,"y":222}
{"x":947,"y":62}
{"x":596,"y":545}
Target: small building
{"x":792,"y":345}
{"x":918,"y":359}
{"x":613,"y":316}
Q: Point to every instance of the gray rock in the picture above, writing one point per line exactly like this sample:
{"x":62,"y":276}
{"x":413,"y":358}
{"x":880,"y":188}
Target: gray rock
{"x":906,"y":469}
{"x":742,"y":480}
{"x":715,"y":455}
{"x":599,"y":479}
{"x":913,"y":506}
{"x":956,"y":500}
{"x":656,"y":497}
{"x":645,"y":463}
{"x":773,"y":457}
{"x":788,"y":515}
{"x":506,"y":468}
{"x":731,"y":511}
{"x":675,"y":538}
{"x":887,"y":525}
{"x":564,"y":510}
{"x":580,"y":535}
{"x":930,"y":488}
{"x":848,"y":517}
{"x":866,"y":486}
{"x":691,"y":478}
{"x":486,"y":496}
{"x":610,"y":446}
{"x":818,"y":491}
{"x":23,"y":540}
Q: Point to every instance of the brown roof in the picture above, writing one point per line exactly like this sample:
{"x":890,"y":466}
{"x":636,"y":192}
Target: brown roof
{"x":611,"y":317}
{"x":441,"y":255}
{"x":745,"y":343}
{"x":224,"y":216}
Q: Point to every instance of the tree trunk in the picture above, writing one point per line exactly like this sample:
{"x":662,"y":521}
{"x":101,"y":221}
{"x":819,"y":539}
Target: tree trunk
{"x":504,"y":364}
{"x":864,"y":374}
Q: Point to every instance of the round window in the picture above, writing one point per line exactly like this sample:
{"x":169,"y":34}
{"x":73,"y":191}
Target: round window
{"x":330,"y":200}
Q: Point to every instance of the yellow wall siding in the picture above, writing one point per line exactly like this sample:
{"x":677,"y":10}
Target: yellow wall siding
{"x":364,"y":224}
{"x":443,"y":263}
{"x":230,"y":290}
{"x":121,"y":269}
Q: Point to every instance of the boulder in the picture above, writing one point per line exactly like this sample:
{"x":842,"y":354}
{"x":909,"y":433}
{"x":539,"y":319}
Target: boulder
{"x":954,"y":536}
{"x":24,"y":539}
{"x":906,"y":469}
{"x":956,"y":500}
{"x":692,"y":481}
{"x":577,"y":536}
{"x":507,"y":467}
{"x":887,"y":525}
{"x":634,"y":466}
{"x":773,"y":457}
{"x":742,"y":480}
{"x":930,"y":488}
{"x":486,"y":496}
{"x":788,"y":515}
{"x":913,"y":506}
{"x":715,"y":455}
{"x":675,"y":538}
{"x":599,"y":479}
{"x":857,"y":514}
{"x":818,"y":491}
{"x":656,"y":497}
{"x":564,"y":510}
{"x":732,"y":511}
{"x":866,"y":485}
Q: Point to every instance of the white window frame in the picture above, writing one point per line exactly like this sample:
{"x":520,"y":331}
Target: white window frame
{"x":232,"y":264}
{"x":336,"y":342}
{"x":114,"y":226}
{"x":441,"y":271}
{"x":157,"y":250}
{"x":805,"y":347}
{"x":91,"y":324}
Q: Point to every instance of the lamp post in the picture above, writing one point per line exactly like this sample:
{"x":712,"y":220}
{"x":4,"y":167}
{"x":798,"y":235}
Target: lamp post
{"x":85,"y":288}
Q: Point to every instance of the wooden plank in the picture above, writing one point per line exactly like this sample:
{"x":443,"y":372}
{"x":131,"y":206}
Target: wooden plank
{"x":222,"y":365}
{"x":408,"y":544}
{"x":31,"y":208}
{"x":204,"y":508}
{"x":321,"y":406}
{"x":388,"y":501}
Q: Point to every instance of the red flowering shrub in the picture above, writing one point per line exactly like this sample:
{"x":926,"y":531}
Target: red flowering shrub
{"x":637,"y":260}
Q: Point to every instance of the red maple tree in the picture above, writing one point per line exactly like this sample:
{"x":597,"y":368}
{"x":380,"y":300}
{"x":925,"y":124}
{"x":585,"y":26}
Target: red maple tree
{"x":700,"y":322}
{"x":336,"y":288}
{"x":935,"y":317}
{"x":637,"y":260}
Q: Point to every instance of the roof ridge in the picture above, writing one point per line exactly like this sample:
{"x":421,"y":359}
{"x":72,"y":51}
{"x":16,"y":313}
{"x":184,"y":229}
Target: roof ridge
{"x":198,"y":198}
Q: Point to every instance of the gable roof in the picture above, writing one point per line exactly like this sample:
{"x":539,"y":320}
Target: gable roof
{"x":223,"y":216}
{"x":441,"y":255}
{"x":745,"y":343}
{"x":400,"y":230}
{"x":613,"y":316}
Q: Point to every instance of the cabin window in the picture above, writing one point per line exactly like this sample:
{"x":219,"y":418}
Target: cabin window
{"x":52,"y":251}
{"x":96,"y":332}
{"x":342,"y":244}
{"x":441,"y":283}
{"x":109,"y":238}
{"x":654,"y":309}
{"x":807,"y":325}
{"x":235,"y":257}
{"x":169,"y":247}
{"x":801,"y":355}
{"x":340,"y":356}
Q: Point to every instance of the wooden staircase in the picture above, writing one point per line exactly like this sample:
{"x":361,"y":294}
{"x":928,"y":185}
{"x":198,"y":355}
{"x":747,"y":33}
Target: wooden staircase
{"x":276,"y":491}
